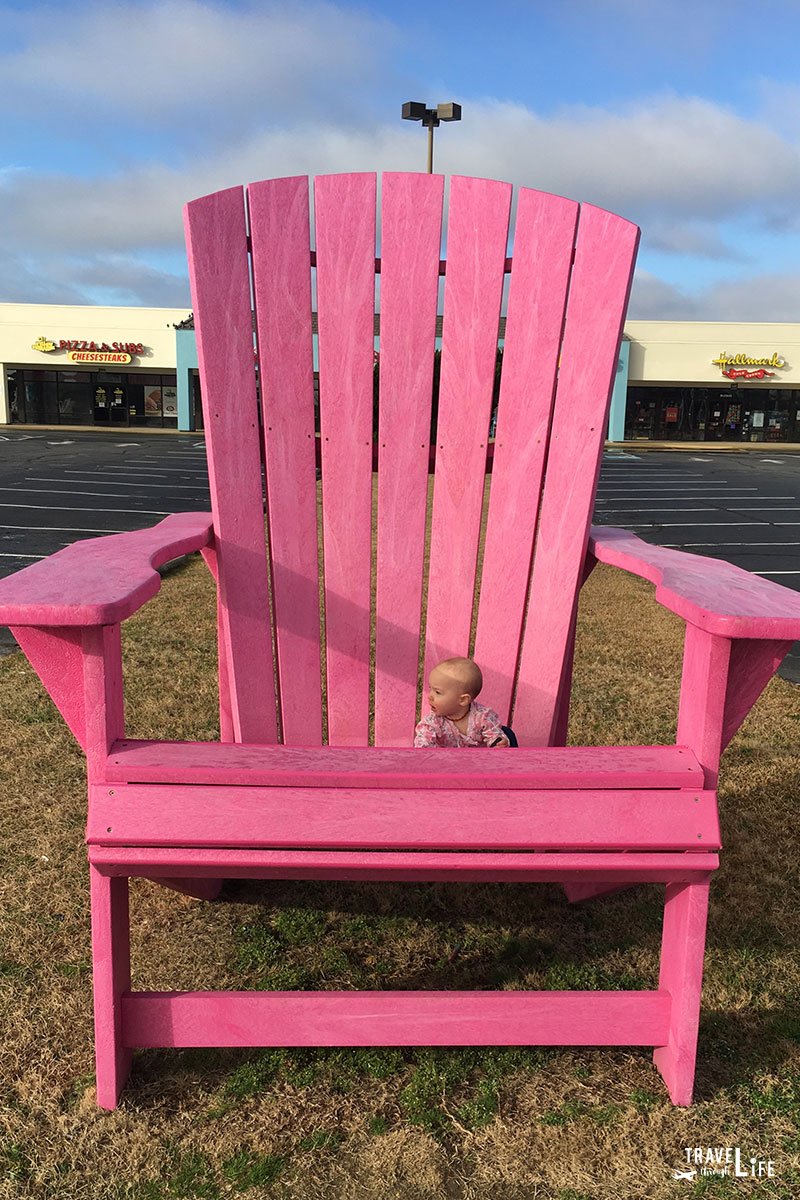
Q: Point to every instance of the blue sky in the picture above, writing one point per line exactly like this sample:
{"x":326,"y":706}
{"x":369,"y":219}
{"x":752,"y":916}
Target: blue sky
{"x":684,"y":117}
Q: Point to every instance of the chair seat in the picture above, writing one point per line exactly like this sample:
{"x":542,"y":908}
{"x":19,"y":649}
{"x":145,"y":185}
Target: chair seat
{"x":402,"y":818}
{"x":132,"y":761}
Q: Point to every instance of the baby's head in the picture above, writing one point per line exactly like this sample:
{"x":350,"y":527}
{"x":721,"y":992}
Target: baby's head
{"x":452,"y":686}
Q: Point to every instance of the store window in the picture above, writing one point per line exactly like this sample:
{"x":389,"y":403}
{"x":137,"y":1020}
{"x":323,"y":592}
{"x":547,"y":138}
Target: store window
{"x":100,"y":398}
{"x":75,"y":398}
{"x":734,"y":414}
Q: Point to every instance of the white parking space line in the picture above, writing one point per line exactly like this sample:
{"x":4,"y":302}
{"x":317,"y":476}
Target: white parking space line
{"x":136,"y":512}
{"x":631,"y":474}
{"x":693,"y":524}
{"x":117,"y":483}
{"x":55,"y":529}
{"x":66,"y":492}
{"x":755,"y":572}
{"x":24,"y":556}
{"x":691,"y":487}
{"x":719,"y":501}
{"x":135,"y":474}
{"x":631,"y":511}
{"x":148,"y":467}
{"x":689,"y":499}
{"x":145,"y":472}
{"x":615,"y":477}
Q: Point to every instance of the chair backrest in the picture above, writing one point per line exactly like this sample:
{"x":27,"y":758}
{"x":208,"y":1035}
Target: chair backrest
{"x":387,"y":543}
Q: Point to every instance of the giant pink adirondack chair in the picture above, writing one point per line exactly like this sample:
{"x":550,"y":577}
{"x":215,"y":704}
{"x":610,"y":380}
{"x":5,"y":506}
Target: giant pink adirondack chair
{"x":271,"y":799}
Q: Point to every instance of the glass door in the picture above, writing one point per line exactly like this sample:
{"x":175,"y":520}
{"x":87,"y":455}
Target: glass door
{"x":102,"y":404}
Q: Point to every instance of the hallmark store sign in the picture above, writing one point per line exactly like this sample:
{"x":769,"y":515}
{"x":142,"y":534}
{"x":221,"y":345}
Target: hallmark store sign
{"x":741,"y":366}
{"x":83,"y":351}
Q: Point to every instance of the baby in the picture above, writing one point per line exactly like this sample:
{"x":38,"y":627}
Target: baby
{"x":456,"y":718}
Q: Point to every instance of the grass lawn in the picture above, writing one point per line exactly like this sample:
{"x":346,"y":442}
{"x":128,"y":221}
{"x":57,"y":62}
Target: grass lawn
{"x":558,"y":1124}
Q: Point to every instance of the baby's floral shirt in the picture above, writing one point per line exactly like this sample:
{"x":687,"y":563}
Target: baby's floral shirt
{"x":483,"y":727}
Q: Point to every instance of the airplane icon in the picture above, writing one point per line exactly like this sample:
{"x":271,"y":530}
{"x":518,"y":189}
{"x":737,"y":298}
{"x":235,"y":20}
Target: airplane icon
{"x":684,"y":1174}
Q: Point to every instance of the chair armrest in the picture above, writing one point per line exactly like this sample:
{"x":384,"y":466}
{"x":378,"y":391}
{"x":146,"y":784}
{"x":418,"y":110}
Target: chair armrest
{"x":100,"y":581}
{"x":713,"y":595}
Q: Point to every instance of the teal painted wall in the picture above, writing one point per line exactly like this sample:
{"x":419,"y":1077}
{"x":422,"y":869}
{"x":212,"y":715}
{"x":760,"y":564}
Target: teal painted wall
{"x":186,"y":361}
{"x":619,"y":397}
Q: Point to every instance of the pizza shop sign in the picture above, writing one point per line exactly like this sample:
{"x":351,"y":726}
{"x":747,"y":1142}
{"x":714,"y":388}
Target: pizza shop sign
{"x":83,"y":351}
{"x":741,"y":366}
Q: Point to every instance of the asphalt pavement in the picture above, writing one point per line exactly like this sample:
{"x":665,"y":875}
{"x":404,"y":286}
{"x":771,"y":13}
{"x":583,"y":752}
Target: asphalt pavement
{"x":58,"y":488}
{"x":61,"y":487}
{"x":743,"y":507}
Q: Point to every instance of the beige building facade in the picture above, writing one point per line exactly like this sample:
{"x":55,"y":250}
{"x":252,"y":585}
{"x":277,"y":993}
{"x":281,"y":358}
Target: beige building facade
{"x":88,"y":365}
{"x":114,"y":366}
{"x":711,"y":381}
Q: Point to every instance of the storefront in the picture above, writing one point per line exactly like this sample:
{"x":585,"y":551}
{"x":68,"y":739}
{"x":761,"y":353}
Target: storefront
{"x":690,"y":381}
{"x":709,"y":382}
{"x":80,"y":365}
{"x":92,"y":398}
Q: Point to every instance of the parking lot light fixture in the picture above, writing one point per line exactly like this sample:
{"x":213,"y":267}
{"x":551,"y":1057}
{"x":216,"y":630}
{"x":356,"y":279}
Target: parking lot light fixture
{"x":414,"y":110}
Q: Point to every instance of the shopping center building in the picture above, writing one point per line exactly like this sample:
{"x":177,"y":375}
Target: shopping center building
{"x":103,"y":367}
{"x":137,"y":367}
{"x":701,"y":381}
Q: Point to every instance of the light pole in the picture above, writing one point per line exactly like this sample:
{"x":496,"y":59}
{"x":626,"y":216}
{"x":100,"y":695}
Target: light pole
{"x":430,"y":117}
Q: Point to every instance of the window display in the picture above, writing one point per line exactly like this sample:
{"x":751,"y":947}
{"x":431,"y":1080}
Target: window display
{"x":92,"y":398}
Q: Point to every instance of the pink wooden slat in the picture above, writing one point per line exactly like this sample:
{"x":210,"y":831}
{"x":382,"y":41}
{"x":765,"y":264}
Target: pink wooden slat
{"x":714,"y":595}
{"x":681,"y":975}
{"x":344,"y":215}
{"x":561,"y":724}
{"x":360,"y":818}
{"x":752,"y":665}
{"x":598,"y":295}
{"x":104,"y":702}
{"x":395,"y":1018}
{"x":370,"y":767}
{"x":216,"y":241}
{"x":544,"y":235}
{"x":280,"y":237}
{"x":112,"y":979}
{"x":704,"y":683}
{"x":152,"y":861}
{"x":226,"y":733}
{"x":99,"y":581}
{"x":56,"y":656}
{"x":476,"y":247}
{"x":411,"y":220}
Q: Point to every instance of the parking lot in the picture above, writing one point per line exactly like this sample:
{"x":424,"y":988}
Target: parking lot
{"x":743,"y":507}
{"x":56,"y":488}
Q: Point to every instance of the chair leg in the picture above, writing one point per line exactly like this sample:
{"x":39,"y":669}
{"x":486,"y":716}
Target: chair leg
{"x":112,"y":977}
{"x":681,"y":974}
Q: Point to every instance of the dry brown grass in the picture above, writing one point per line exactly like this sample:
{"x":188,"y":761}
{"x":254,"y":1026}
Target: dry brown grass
{"x":558,"y":1124}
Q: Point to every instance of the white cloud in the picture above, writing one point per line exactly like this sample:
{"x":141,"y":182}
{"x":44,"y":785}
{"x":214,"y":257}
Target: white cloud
{"x":667,"y":156}
{"x":766,"y":297}
{"x":653,"y":299}
{"x":237,"y":93}
{"x":697,"y":239}
{"x":668,"y":165}
{"x":188,"y":63}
